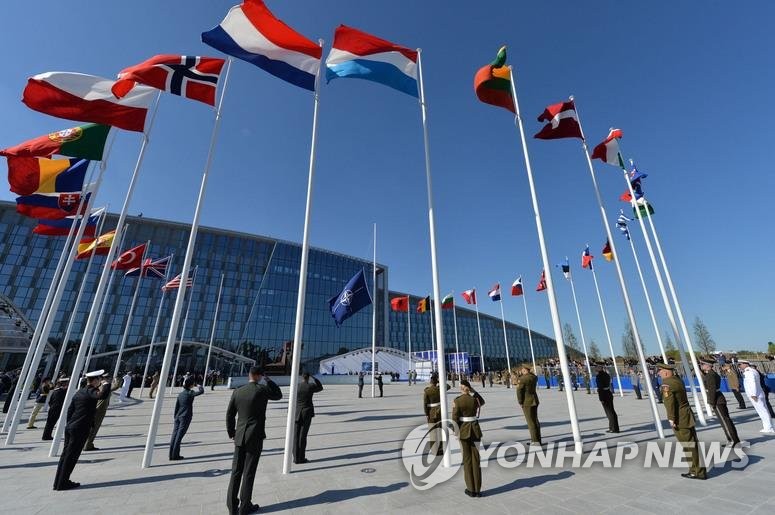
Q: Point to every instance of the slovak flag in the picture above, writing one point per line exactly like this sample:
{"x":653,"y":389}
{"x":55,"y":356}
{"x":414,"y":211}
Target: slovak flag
{"x":358,"y":55}
{"x":469,"y":296}
{"x":495,"y":293}
{"x":129,"y":259}
{"x":516,"y":287}
{"x":563,"y":122}
{"x":187,"y":76}
{"x":586,"y":259}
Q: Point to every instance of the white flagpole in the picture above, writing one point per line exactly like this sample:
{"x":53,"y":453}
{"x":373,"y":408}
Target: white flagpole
{"x":434,"y":261}
{"x":84,"y":205}
{"x":622,"y":285}
{"x":479,"y":331}
{"x":258,"y":293}
{"x":529,"y":332}
{"x":131,"y":311}
{"x":90,"y":321}
{"x":556,"y":324}
{"x":607,"y":331}
{"x":298,"y":329}
{"x":409,"y":332}
{"x":180,"y":298}
{"x":505,"y":340}
{"x":433,"y":335}
{"x":215,"y":322}
{"x":156,"y":325}
{"x":578,"y":317}
{"x":183,"y":332}
{"x":374,"y":316}
{"x":457,"y":348}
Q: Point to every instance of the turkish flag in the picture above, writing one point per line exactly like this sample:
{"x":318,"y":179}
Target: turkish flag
{"x":129,"y":259}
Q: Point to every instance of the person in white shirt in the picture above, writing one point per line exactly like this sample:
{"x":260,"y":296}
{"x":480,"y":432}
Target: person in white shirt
{"x":125,"y":387}
{"x":753,"y":390}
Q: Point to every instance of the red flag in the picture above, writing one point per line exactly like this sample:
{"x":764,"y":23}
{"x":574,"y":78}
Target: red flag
{"x":563,"y":122}
{"x":516,"y":287}
{"x":542,"y":283}
{"x":188,"y":76}
{"x":131,"y":258}
{"x":469,"y":296}
{"x":400,"y":304}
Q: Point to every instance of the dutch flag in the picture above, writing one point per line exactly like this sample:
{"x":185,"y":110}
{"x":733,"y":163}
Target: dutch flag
{"x":495,"y":293}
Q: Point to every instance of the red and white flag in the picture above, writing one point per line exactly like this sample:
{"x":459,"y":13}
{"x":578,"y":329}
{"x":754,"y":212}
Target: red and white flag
{"x":469,"y":296}
{"x":542,"y":282}
{"x":563,"y":122}
{"x":187,"y":76}
{"x":175,"y":283}
{"x":129,"y":259}
{"x":87,"y":98}
{"x":608,"y":150}
{"x":516,"y":287}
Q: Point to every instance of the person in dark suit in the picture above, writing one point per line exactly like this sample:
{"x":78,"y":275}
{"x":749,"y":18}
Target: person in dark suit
{"x":55,"y":401}
{"x":379,"y":384}
{"x":606,"y":397}
{"x":80,"y":417}
{"x":245,"y":424}
{"x":712,"y":383}
{"x":305,"y":410}
{"x":184,"y":412}
{"x":360,"y":385}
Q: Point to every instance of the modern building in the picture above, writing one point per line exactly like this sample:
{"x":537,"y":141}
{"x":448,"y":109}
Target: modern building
{"x":256,"y":319}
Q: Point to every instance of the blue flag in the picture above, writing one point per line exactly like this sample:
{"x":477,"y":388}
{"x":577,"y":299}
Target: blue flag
{"x":354,"y":297}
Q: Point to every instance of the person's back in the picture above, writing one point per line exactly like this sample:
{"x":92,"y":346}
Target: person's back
{"x":305,"y":391}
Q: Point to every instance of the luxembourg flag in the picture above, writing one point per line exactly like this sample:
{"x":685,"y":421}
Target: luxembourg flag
{"x":495,"y":293}
{"x":358,"y":55}
{"x":252,"y":33}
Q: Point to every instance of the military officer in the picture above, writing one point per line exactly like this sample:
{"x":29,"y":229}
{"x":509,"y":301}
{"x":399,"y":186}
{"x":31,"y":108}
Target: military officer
{"x":99,"y":416}
{"x":431,"y":400}
{"x":527,"y":397}
{"x":465,"y":413}
{"x":733,"y":381}
{"x":305,"y":411}
{"x":712,"y":383}
{"x":560,"y":380}
{"x":606,"y":397}
{"x":681,"y":418}
{"x":55,"y":400}
{"x":547,"y":377}
{"x":587,"y":381}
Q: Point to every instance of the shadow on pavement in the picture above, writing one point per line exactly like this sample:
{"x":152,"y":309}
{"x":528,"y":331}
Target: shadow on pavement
{"x":528,"y":482}
{"x":155,"y":479}
{"x":331,"y":496}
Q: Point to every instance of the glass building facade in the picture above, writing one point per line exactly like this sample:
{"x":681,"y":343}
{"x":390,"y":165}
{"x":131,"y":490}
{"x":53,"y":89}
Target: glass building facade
{"x":256,"y":319}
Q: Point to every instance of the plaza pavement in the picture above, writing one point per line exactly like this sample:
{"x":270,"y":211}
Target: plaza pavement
{"x":355,"y":448}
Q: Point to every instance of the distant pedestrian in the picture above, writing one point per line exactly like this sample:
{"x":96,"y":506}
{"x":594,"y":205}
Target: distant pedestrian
{"x":360,"y":385}
{"x":635,"y":380}
{"x":154,"y":384}
{"x":379,"y":384}
{"x":55,"y":401}
{"x":40,"y":401}
{"x":125,"y":387}
{"x":184,"y":412}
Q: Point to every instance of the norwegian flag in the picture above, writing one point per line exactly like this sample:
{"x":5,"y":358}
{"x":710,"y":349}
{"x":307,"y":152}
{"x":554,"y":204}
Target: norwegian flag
{"x":155,"y":269}
{"x":175,"y":283}
{"x":469,"y":296}
{"x":187,"y":76}
{"x":129,"y":259}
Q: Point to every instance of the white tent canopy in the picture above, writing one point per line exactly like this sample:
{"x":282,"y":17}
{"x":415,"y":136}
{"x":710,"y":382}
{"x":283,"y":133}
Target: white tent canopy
{"x":387,"y":360}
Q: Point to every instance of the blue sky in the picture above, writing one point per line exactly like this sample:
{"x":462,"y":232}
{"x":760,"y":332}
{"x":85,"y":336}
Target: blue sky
{"x":688,"y":86}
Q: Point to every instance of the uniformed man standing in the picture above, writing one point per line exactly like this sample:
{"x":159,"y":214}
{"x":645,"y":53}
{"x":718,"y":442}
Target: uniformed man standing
{"x":55,"y":401}
{"x":681,"y":418}
{"x":431,"y":401}
{"x":99,"y":416}
{"x":712,"y":383}
{"x":587,"y":381}
{"x":606,"y":397}
{"x":465,"y":413}
{"x":80,"y":417}
{"x":184,"y":413}
{"x":379,"y":384}
{"x":753,"y":389}
{"x":527,"y":397}
{"x":305,"y":410}
{"x":733,"y":381}
{"x":547,"y":377}
{"x":360,"y":385}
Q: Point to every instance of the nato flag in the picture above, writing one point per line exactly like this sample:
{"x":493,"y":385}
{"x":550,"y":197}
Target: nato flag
{"x":354,"y":297}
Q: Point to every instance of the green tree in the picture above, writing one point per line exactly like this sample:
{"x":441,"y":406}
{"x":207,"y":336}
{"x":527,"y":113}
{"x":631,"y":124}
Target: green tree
{"x":594,"y":350}
{"x":770,"y":347}
{"x":629,"y":349}
{"x":702,"y":337}
{"x":670,"y":349}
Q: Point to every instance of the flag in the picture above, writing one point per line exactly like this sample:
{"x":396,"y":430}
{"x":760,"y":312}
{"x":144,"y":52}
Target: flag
{"x":495,"y":293}
{"x":469,"y":296}
{"x":565,"y":268}
{"x":354,"y":297}
{"x":252,"y":33}
{"x":645,"y":209}
{"x":608,"y":150}
{"x":448,"y":302}
{"x":492,"y":83}
{"x":542,"y":282}
{"x":189,"y":76}
{"x":174,"y":284}
{"x":586,"y":258}
{"x":563,"y":122}
{"x":608,"y":254}
{"x":85,"y":142}
{"x":358,"y":55}
{"x":30,"y":175}
{"x":62,"y":227}
{"x":424,"y":305}
{"x":635,"y":182}
{"x":50,"y":206}
{"x":132,"y":258}
{"x":155,"y":269}
{"x":516,"y":287}
{"x":87,"y":98}
{"x":621,"y":223}
{"x":400,"y":304}
{"x":100,"y":246}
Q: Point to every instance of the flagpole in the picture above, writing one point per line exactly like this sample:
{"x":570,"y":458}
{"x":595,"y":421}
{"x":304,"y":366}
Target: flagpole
{"x":505,"y":341}
{"x":434,"y":260}
{"x":622,"y":285}
{"x":374,"y":316}
{"x":529,"y":332}
{"x":183,"y":332}
{"x":131,"y":311}
{"x":298,"y":329}
{"x":215,"y":322}
{"x":409,"y":329}
{"x":156,"y":325}
{"x":180,"y":298}
{"x":433,"y":336}
{"x":578,"y":317}
{"x":457,"y":348}
{"x":90,"y":321}
{"x":260,"y":287}
{"x":607,"y":331}
{"x":556,"y":325}
{"x":479,"y":331}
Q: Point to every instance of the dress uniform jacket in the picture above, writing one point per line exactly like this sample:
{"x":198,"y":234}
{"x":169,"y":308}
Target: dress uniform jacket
{"x":248,"y":407}
{"x":305,"y":409}
{"x":432,"y":395}
{"x":679,"y":412}
{"x":469,"y":434}
{"x":526,"y":390}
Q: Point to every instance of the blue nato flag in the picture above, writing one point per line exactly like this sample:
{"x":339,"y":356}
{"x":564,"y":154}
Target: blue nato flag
{"x":353,"y":298}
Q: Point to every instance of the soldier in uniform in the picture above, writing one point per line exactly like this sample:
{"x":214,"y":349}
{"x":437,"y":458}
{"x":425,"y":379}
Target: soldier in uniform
{"x":99,"y":416}
{"x":527,"y":397}
{"x":606,"y":397}
{"x":712,"y":383}
{"x":681,"y":418}
{"x":587,"y":380}
{"x":80,"y":417}
{"x":305,"y":410}
{"x":184,"y":413}
{"x":431,"y":401}
{"x":560,"y":379}
{"x":733,"y":381}
{"x":55,"y":401}
{"x":380,"y":385}
{"x":547,"y":377}
{"x":465,"y":413}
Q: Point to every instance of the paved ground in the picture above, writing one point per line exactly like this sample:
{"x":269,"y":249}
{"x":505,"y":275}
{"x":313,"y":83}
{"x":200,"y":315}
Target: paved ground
{"x":355,"y":448}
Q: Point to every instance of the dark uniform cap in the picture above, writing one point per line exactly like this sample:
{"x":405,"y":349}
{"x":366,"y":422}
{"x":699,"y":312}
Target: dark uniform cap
{"x":464,"y":382}
{"x":708,"y":361}
{"x":663,"y":366}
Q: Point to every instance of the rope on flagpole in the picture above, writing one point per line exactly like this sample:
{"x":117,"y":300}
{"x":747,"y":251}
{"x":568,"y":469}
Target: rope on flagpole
{"x":607,"y":331}
{"x":156,"y":325}
{"x":212,"y":333}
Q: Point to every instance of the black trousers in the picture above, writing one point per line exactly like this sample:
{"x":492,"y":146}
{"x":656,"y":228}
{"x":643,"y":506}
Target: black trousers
{"x":360,"y":391}
{"x":243,"y":474}
{"x":74,"y":440}
{"x":637,"y":392}
{"x":607,"y":400}
{"x":300,"y":439}
{"x":178,"y":432}
{"x":739,"y":398}
{"x":51,"y":421}
{"x":721,"y":411}
{"x":380,"y":390}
